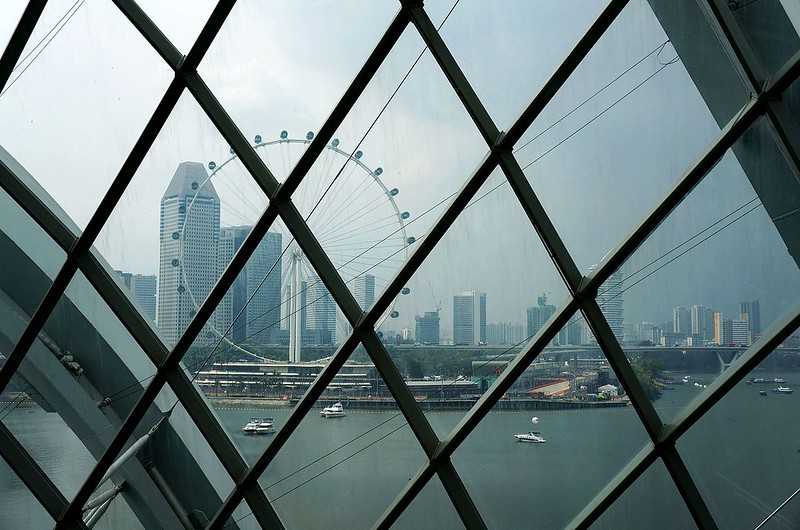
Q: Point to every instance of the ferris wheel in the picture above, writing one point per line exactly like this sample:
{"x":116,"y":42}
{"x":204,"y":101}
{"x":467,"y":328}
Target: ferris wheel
{"x":353,"y":214}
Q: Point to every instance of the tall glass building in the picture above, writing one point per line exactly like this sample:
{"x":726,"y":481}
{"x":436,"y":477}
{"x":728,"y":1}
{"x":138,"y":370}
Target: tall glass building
{"x":292,"y":189}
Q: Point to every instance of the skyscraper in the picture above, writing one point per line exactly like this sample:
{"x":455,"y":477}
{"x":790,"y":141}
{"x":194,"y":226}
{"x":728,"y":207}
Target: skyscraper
{"x":427,"y":328}
{"x":263,"y":285}
{"x":364,"y":290}
{"x":700,"y":324}
{"x":681,"y":321}
{"x":751,"y":311}
{"x":611,"y":302}
{"x":469,"y":318}
{"x":142,"y":290}
{"x":718,"y":325}
{"x":740,"y":332}
{"x":321,"y":313}
{"x":189,"y":236}
{"x":539,"y":314}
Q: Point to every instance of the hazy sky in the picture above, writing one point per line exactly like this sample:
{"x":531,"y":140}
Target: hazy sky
{"x":73,"y":116}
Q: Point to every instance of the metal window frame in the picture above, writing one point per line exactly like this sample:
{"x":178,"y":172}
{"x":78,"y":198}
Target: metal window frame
{"x":583,"y":290}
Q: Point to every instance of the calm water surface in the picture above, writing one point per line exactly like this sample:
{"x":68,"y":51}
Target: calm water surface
{"x":744,"y":457}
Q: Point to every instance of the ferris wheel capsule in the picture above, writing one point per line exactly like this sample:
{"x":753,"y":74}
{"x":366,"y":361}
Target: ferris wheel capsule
{"x":394,"y":314}
{"x":284,"y":135}
{"x":405,"y":215}
{"x":405,"y":290}
{"x":379,"y":171}
{"x":393,"y":192}
{"x":335,"y":142}
{"x":310,"y":135}
{"x":257,"y":139}
{"x":359,"y":154}
{"x":176,"y":235}
{"x":175,"y":262}
{"x":212,"y":165}
{"x":411,"y":240}
{"x":232,"y":151}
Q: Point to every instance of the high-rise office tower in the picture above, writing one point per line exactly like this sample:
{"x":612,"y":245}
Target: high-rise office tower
{"x":469,"y":318}
{"x":259,"y":322}
{"x":681,"y":321}
{"x":740,"y":332}
{"x":751,"y":311}
{"x":539,"y":314}
{"x":142,"y":290}
{"x":570,"y":333}
{"x":717,"y":326}
{"x":263,"y":285}
{"x":427,"y":328}
{"x":611,"y":302}
{"x":321,"y":313}
{"x":364,"y":290}
{"x":189,"y":237}
{"x":700,"y":324}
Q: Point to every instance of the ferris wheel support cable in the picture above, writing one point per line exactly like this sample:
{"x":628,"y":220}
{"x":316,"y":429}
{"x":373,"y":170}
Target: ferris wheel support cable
{"x":344,"y":236}
{"x":351,"y":232}
{"x":337,"y":190}
{"x":353,"y":194}
{"x":364,"y":244}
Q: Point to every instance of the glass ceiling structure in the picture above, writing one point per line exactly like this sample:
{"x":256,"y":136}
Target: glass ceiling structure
{"x":76,"y":343}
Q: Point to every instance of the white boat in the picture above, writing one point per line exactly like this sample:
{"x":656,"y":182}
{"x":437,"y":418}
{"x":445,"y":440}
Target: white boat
{"x":259,"y":426}
{"x":333,"y":411}
{"x":783,"y":390}
{"x":779,"y":380}
{"x":531,"y":437}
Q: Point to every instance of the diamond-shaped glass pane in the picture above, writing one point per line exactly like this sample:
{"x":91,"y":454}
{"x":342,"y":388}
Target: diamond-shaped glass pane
{"x":740,"y":490}
{"x":509,"y":50}
{"x":336,"y":458}
{"x":273,"y":78}
{"x":614,"y":140}
{"x":487,"y":287}
{"x":180,"y":221}
{"x":392,"y":166}
{"x":557,"y":437}
{"x":71,"y":142}
{"x":711,"y":278}
{"x":181,"y":25}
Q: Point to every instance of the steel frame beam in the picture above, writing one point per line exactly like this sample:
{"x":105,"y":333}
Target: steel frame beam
{"x":582,"y":289}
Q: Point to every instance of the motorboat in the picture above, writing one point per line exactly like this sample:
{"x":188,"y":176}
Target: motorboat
{"x":759,"y":380}
{"x":532,"y":437}
{"x":783,"y":390}
{"x":259,"y":426}
{"x":779,"y":380}
{"x":333,"y":411}
{"x":762,"y":392}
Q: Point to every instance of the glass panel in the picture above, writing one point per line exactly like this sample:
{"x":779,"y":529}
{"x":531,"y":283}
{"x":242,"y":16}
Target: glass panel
{"x":11,"y":12}
{"x":390,"y":170}
{"x":108,"y":82}
{"x":18,"y":507}
{"x":336,"y":459}
{"x":741,"y":491}
{"x":627,"y":123}
{"x":651,"y":502}
{"x":268,"y":74}
{"x":717,"y":272}
{"x":31,"y":261}
{"x":486,"y":288}
{"x":431,"y":509}
{"x":181,"y":25}
{"x":492,"y":43}
{"x":769,"y":30}
{"x":558,"y":436}
{"x":179,"y":223}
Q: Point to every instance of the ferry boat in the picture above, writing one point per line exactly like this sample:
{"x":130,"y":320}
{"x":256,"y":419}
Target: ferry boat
{"x":783,"y":390}
{"x":259,"y":426}
{"x":532,"y":437}
{"x":333,"y":411}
